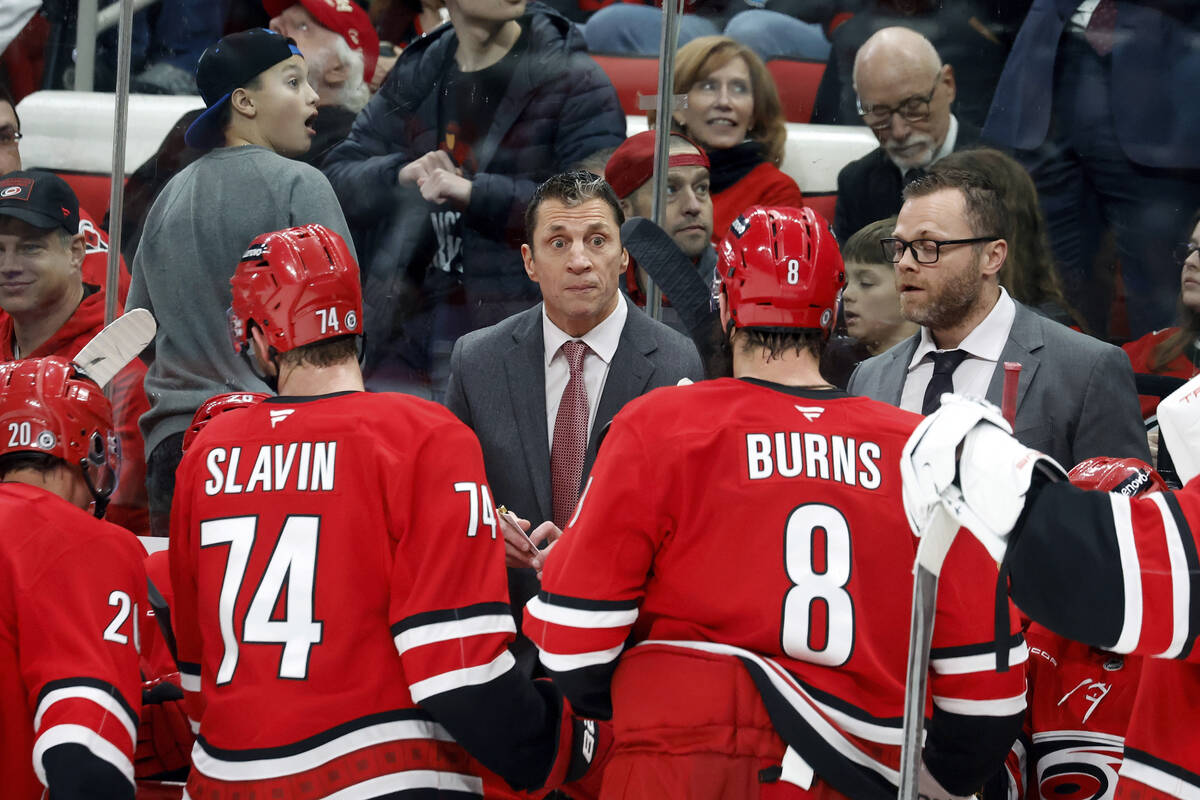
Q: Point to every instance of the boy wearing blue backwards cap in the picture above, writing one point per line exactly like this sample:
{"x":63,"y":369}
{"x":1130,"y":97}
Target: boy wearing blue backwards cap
{"x":260,"y":110}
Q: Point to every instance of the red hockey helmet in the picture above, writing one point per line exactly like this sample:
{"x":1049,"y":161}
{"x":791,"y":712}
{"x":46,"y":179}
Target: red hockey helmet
{"x":299,"y":285}
{"x":781,"y":268}
{"x":47,"y":406}
{"x":216,"y":406}
{"x":1125,"y":476}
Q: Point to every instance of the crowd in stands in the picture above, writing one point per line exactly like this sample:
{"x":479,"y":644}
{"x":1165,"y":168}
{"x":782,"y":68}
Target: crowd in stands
{"x":1034,"y":199}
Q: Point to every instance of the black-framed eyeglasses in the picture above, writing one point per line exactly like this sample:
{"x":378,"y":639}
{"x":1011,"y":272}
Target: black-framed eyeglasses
{"x":912,"y":109}
{"x":9,"y":137}
{"x":925,"y":251}
{"x":1183,"y":251}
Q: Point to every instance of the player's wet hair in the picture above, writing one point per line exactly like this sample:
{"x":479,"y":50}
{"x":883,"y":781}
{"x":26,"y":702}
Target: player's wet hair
{"x":571,"y":189}
{"x":42,"y":463}
{"x":325,"y":353}
{"x":778,"y":342}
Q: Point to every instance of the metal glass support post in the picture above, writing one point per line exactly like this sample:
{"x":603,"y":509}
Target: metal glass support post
{"x":85,"y":45}
{"x":672,"y":9}
{"x":116,"y":198}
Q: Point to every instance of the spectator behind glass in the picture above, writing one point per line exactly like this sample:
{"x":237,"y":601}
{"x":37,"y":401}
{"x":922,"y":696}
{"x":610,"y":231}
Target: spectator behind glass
{"x":1029,"y":272}
{"x":438,"y":168}
{"x":733,"y":112}
{"x":1174,"y":351}
{"x":870,"y":301}
{"x":259,"y":110}
{"x":1098,"y":101}
{"x":95,"y":239}
{"x":771,"y":28}
{"x":50,"y":309}
{"x":904,"y":95}
{"x":342,"y":50}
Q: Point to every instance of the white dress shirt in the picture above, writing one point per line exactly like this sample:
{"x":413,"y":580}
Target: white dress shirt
{"x":602,"y":341}
{"x":973,"y":376}
{"x":1083,"y":14}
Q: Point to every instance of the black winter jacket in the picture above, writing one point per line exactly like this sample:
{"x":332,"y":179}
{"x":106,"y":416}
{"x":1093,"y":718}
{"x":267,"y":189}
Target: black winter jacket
{"x":559,"y":108}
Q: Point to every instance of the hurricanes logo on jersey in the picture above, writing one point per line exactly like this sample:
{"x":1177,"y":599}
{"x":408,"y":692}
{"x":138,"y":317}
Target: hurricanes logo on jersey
{"x":280,"y":415}
{"x":811,"y":412}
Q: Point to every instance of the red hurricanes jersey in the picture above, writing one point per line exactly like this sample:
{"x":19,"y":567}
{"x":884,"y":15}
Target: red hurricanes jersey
{"x":1080,"y":699}
{"x":71,"y":591}
{"x":733,"y":514}
{"x":1123,"y":574}
{"x":334,"y":562}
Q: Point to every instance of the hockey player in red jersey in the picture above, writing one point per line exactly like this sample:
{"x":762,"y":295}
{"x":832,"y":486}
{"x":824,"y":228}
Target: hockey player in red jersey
{"x":1080,"y":697}
{"x":340,"y":595}
{"x":746,"y":536}
{"x":71,"y":591}
{"x":1105,"y":569}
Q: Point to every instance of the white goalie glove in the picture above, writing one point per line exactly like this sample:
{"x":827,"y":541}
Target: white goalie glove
{"x":961,"y":466}
{"x":1179,"y":421}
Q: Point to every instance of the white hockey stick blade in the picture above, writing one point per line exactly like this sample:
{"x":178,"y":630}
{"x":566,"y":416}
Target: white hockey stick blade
{"x":119,"y":343}
{"x":1179,"y":421}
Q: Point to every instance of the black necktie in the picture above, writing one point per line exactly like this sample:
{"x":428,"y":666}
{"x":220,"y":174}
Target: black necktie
{"x":942,"y":381}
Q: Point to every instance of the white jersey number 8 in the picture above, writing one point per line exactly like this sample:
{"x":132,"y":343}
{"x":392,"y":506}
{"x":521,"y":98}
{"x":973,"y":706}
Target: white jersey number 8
{"x":819,"y":581}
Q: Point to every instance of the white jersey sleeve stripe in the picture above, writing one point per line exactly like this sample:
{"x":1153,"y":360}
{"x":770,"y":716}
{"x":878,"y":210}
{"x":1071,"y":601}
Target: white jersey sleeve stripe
{"x":458,"y":678}
{"x":1170,"y":785}
{"x":1002,"y":707}
{"x":91,"y":694}
{"x":1131,"y":627}
{"x":454,"y":629}
{"x":78,"y":734}
{"x":578,"y":617}
{"x":559,"y":662}
{"x":387,"y":785}
{"x":224,"y":770}
{"x":189,"y":682}
{"x":1180,"y":580}
{"x":982,"y":662}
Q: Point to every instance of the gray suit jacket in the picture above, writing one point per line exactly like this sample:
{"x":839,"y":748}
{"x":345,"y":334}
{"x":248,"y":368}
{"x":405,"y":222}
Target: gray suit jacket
{"x":498,"y":388}
{"x":1075,"y":398}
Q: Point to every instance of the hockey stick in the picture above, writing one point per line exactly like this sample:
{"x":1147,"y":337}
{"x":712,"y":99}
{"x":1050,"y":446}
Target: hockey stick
{"x":935,"y":543}
{"x":119,"y":343}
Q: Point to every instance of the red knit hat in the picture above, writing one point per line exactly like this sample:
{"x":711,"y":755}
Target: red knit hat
{"x":345,"y":18}
{"x":632,"y":163}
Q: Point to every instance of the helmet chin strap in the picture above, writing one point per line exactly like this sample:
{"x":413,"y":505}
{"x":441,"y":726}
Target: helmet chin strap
{"x":100,"y":499}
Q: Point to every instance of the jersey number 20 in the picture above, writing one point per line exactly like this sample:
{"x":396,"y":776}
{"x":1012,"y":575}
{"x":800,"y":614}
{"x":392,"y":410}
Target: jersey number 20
{"x":817,"y":550}
{"x":294,"y":562}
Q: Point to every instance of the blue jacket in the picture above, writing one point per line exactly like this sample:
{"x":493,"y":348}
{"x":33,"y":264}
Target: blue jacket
{"x":1155,"y":70}
{"x":560,"y":107}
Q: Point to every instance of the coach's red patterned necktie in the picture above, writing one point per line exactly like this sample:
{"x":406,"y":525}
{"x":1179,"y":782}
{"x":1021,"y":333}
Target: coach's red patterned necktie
{"x":570,"y":436}
{"x":1099,"y":31}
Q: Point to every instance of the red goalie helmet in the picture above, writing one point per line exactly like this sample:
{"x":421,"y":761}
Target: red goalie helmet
{"x":47,"y":406}
{"x":299,"y":285}
{"x":1125,"y":476}
{"x":215,"y":407}
{"x":781,"y":268}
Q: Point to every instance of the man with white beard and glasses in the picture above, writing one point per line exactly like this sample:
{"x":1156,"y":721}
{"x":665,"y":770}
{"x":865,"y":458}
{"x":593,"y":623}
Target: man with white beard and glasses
{"x":905,"y":94}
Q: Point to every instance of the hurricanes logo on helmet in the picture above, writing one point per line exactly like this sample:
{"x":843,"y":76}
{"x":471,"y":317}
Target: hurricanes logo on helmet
{"x":46,"y":440}
{"x":351,"y":320}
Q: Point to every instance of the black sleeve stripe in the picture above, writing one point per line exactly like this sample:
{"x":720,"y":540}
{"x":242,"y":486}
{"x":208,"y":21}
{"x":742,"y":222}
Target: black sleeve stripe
{"x":973,"y":649}
{"x":189,"y":667}
{"x":450,"y":615}
{"x":316,"y":740}
{"x":91,"y":683}
{"x":1193,"y":563}
{"x":584,"y":604}
{"x":1174,"y":770}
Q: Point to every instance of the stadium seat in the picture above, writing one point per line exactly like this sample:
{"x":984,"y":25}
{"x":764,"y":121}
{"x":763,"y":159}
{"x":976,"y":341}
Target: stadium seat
{"x":797,"y":82}
{"x":631,"y":76}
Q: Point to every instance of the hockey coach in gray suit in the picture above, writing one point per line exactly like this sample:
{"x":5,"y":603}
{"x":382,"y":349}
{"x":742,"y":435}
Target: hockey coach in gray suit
{"x":539,"y":387}
{"x":1075,"y":396}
